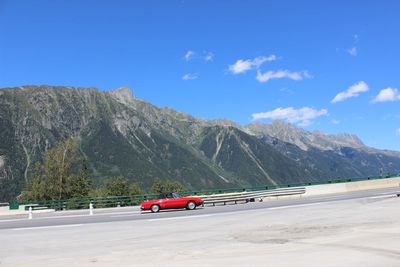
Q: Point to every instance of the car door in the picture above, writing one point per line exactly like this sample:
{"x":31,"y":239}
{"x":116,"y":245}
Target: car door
{"x":163,"y":201}
{"x":180,"y":202}
{"x":170,"y":202}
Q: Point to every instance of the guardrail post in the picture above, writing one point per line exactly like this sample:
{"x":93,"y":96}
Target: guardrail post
{"x":90,"y":208}
{"x":30,"y":213}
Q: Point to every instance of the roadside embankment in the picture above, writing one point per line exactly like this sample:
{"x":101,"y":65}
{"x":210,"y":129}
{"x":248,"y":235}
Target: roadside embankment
{"x":324,"y":189}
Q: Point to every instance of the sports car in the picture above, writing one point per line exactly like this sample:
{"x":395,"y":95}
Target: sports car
{"x":171,"y":201}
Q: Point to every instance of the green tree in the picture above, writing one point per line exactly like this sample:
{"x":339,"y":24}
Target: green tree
{"x":98,"y":192}
{"x":164,"y":186}
{"x":158,"y":187}
{"x":81,"y":184}
{"x":117,"y":186}
{"x":52,"y":178}
{"x":135,"y":189}
{"x":175,"y":186}
{"x":35,"y":189}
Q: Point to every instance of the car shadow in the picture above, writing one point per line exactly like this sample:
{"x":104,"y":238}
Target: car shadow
{"x":169,"y":210}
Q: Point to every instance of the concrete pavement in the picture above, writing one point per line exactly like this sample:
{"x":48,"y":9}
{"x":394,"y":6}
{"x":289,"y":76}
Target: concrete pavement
{"x":342,"y":230}
{"x":133,"y":213}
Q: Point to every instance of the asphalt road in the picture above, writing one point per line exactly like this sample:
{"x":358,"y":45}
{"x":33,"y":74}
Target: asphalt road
{"x":131,"y":214}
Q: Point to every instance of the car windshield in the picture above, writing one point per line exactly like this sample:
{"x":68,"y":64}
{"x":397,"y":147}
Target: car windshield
{"x":168,"y":195}
{"x":176,"y":195}
{"x":162,"y":196}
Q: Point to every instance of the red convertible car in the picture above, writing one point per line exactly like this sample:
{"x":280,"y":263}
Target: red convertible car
{"x":171,"y":201}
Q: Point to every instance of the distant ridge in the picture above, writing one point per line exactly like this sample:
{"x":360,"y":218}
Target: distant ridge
{"x":123,"y":135}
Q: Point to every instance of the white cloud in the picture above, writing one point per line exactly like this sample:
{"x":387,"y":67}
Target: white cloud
{"x":190,"y":76}
{"x":352,"y":91}
{"x":206,"y":55}
{"x":398,"y":131}
{"x":209,"y":56}
{"x":241,"y":65}
{"x":189,"y":55}
{"x":303,"y":116}
{"x":293,"y":75}
{"x":353,"y":51}
{"x":387,"y":94}
{"x":336,"y":122}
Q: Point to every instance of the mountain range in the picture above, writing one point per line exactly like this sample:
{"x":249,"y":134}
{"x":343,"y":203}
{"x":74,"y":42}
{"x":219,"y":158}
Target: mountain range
{"x":120,"y":134}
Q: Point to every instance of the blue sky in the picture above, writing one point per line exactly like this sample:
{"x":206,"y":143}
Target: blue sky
{"x":326,"y":65}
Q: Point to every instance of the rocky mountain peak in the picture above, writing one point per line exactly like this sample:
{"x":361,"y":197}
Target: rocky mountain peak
{"x":283,"y":131}
{"x":347,"y":138}
{"x":224,"y":122}
{"x":123,"y":94}
{"x":137,"y":139}
{"x":304,"y":139}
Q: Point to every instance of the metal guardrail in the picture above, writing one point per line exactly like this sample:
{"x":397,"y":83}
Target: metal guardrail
{"x":35,"y":207}
{"x":115,"y":201}
{"x":251,"y":196}
{"x":83,"y":203}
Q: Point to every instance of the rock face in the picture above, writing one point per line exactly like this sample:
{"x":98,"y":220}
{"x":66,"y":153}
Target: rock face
{"x":123,"y":135}
{"x":123,"y":94}
{"x":303,"y":139}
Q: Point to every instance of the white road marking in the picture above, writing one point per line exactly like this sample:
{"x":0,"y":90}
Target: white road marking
{"x":325,"y":202}
{"x":384,"y":196}
{"x":386,"y":193}
{"x":124,"y":215}
{"x":296,"y":206}
{"x":136,"y":212}
{"x":182,"y":217}
{"x":95,"y":214}
{"x":13,"y":220}
{"x":72,"y":216}
{"x":46,"y":227}
{"x":63,"y":216}
{"x":328,"y":198}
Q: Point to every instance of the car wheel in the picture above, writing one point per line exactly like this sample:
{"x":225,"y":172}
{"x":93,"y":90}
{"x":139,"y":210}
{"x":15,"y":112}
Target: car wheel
{"x":155,"y":208}
{"x":191,"y":205}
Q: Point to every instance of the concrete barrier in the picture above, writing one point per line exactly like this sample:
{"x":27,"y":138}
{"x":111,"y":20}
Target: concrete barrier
{"x":373,"y":184}
{"x":324,"y":189}
{"x":5,"y":211}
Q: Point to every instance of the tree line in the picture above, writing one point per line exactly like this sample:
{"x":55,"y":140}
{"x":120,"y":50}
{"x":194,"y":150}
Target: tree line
{"x":64,"y":173}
